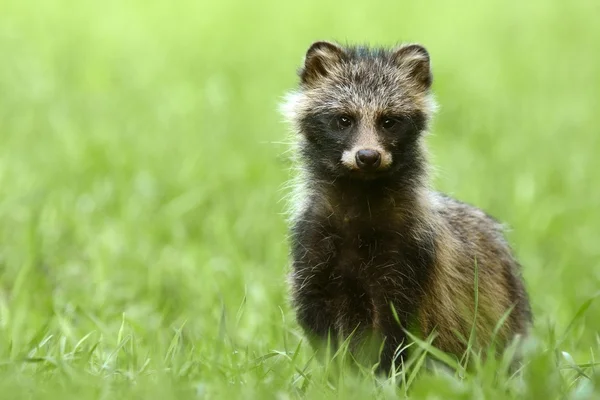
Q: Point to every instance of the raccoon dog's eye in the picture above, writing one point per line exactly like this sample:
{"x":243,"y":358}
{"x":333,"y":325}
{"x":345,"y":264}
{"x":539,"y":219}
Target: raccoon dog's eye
{"x":342,"y":122}
{"x":388,"y":123}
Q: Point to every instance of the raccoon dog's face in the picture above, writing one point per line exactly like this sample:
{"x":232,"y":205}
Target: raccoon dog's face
{"x":361,"y":111}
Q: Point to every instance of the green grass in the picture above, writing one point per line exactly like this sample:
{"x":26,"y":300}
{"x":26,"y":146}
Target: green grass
{"x":143,"y":244}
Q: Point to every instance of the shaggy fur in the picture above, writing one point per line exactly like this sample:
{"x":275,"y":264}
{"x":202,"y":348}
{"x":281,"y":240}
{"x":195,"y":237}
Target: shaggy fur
{"x":366,"y":240}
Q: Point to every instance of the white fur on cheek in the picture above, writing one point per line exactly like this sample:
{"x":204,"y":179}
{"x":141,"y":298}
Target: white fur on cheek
{"x":349,"y":159}
{"x":386,"y":159}
{"x":289,"y":107}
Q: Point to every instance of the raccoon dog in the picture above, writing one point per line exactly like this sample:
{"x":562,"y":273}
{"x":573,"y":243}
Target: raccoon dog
{"x":375,"y":251}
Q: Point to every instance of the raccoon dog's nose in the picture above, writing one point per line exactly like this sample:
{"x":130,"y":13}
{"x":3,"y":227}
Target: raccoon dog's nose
{"x":368,"y":159}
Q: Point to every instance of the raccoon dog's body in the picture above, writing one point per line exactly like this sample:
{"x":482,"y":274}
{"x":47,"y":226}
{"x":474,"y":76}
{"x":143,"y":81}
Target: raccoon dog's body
{"x":372,"y":244}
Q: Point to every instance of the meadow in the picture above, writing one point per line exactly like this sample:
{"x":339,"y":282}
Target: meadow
{"x":143,"y":170}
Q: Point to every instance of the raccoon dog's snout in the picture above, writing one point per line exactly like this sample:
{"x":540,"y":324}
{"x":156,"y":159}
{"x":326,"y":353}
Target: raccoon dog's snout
{"x":368,"y":159}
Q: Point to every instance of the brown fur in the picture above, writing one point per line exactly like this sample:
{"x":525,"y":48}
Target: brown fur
{"x":467,"y":239}
{"x":364,"y":241}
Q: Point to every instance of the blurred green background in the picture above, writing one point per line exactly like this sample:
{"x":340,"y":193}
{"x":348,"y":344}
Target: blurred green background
{"x":143,"y":172}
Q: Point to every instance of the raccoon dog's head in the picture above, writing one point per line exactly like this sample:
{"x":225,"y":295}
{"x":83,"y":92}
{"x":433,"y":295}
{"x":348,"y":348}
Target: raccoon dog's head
{"x":361,"y":111}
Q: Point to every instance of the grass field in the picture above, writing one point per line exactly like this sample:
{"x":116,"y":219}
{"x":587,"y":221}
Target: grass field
{"x":143,"y":244}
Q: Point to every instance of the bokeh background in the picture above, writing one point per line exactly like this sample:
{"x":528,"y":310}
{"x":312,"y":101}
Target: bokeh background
{"x":143,"y":170}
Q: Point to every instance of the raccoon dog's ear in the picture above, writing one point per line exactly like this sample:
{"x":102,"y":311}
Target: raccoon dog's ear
{"x":413,"y":59}
{"x":321,"y":58}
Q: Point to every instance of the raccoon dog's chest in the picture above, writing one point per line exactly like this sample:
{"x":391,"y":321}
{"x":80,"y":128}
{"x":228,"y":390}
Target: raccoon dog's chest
{"x":360,"y":268}
{"x":362,"y":251}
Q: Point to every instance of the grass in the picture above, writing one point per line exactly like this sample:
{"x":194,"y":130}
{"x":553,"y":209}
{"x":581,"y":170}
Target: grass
{"x":143,"y":248}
